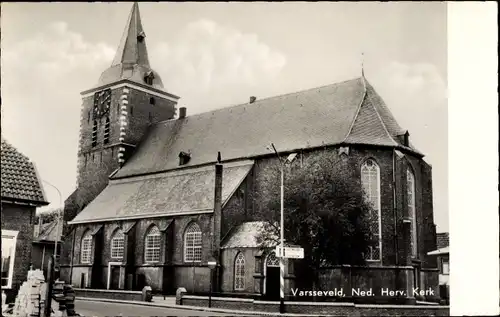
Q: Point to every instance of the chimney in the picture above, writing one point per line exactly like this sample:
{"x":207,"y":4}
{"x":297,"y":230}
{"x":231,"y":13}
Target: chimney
{"x":217,"y":220}
{"x":253,"y":99}
{"x":36,"y":232}
{"x":406,"y":139}
{"x":182,"y":112}
{"x":217,"y":203}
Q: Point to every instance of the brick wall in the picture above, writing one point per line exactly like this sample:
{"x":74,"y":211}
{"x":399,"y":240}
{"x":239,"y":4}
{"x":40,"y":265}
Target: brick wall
{"x":19,"y":218}
{"x":195,"y":277}
{"x":331,"y":309}
{"x":95,"y":164}
{"x":141,"y":113}
{"x":227,"y":263}
{"x":183,"y":273}
{"x":262,"y":177}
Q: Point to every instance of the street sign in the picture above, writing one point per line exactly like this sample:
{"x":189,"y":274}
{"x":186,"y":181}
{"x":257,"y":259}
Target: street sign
{"x":290,"y":253}
{"x":212,"y":264}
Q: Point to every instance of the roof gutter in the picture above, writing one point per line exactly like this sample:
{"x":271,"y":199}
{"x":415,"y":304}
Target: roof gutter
{"x":159,"y":215}
{"x":24,"y":202}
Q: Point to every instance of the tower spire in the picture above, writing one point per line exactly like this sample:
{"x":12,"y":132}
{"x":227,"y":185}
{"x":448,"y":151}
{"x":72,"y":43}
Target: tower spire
{"x":363,"y":64}
{"x":132,"y":49}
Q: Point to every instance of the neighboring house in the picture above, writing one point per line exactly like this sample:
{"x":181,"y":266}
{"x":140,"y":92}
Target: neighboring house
{"x":443,"y":259}
{"x":152,"y":207}
{"x":22,"y":193}
{"x":44,"y":241}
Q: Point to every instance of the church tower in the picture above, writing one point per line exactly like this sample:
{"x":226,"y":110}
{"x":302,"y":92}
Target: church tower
{"x":116,"y":113}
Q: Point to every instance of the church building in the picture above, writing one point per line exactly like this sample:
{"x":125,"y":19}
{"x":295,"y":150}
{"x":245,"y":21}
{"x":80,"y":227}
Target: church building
{"x":160,"y":193}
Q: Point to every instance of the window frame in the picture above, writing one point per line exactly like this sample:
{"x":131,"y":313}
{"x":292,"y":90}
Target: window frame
{"x":83,"y":252}
{"x":193,"y":247}
{"x":447,"y":261}
{"x":239,"y":272}
{"x":11,"y":235}
{"x":376,"y":206}
{"x":114,"y":238}
{"x":412,"y":211}
{"x":154,"y":257}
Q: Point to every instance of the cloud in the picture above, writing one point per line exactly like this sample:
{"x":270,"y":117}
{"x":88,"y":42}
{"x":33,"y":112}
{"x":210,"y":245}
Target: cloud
{"x":417,"y":79}
{"x":42,"y":77}
{"x":54,"y":53}
{"x":210,"y":64}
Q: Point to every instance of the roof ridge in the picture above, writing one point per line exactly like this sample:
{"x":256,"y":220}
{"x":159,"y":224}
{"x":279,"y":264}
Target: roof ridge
{"x":264,"y":99}
{"x":382,"y":121}
{"x":357,"y":111}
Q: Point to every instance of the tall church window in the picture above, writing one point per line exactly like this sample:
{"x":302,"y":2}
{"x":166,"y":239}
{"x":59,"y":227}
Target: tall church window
{"x":152,"y":245}
{"x":410,"y":177}
{"x":239,"y":272}
{"x":117,"y":244}
{"x":94,"y":133}
{"x":106,"y":131}
{"x":192,"y":243}
{"x":86,"y":248}
{"x":370,"y":179}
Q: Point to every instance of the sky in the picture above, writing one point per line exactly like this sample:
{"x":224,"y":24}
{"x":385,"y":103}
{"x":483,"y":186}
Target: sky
{"x":215,"y":55}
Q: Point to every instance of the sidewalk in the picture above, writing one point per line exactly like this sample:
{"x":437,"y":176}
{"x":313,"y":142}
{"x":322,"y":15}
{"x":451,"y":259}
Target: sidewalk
{"x":169,"y":302}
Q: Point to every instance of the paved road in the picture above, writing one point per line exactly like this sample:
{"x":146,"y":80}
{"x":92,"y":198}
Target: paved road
{"x":104,"y":309}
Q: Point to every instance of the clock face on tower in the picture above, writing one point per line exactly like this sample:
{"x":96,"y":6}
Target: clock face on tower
{"x":102,"y":103}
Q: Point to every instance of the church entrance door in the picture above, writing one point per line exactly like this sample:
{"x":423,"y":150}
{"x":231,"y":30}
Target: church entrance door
{"x":115,"y":277}
{"x":272,"y":285}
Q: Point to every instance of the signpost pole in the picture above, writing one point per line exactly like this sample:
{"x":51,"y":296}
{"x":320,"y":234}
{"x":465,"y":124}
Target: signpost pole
{"x":211,"y":265}
{"x":282,"y":258}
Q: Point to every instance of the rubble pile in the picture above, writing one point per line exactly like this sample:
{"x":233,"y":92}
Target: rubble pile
{"x":29,"y":300}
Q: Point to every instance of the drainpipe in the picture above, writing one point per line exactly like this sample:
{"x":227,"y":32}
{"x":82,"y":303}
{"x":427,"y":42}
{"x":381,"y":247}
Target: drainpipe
{"x":394,"y":207}
{"x":394,"y":213}
{"x":72,"y":256}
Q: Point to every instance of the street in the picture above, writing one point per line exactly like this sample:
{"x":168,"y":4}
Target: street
{"x":103,"y":309}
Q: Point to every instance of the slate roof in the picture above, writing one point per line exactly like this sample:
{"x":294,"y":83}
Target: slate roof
{"x":177,"y":192}
{"x":49,"y":232}
{"x":349,"y":112}
{"x":443,"y":240}
{"x":245,"y":235}
{"x":20,"y":180}
{"x":131,"y":60}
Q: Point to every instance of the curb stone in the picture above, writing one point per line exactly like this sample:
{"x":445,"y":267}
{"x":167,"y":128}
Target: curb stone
{"x":197,"y":308}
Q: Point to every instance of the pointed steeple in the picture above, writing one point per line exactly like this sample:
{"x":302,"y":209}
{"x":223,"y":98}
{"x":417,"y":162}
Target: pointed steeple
{"x":132,"y":49}
{"x":363,"y":64}
{"x":131,"y":61}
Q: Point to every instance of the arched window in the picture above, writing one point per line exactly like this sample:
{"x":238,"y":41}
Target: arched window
{"x":239,"y":272}
{"x":272,"y":260}
{"x":86,"y":248}
{"x":192,"y":243}
{"x":410,"y":178}
{"x":117,"y":244}
{"x":370,"y":179}
{"x":152,"y":245}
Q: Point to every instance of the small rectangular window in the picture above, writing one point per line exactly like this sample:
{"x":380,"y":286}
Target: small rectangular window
{"x":9,"y":239}
{"x":445,"y":266}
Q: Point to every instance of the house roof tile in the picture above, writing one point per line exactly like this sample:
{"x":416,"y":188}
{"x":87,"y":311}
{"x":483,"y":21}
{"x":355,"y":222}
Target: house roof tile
{"x":20,"y":180}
